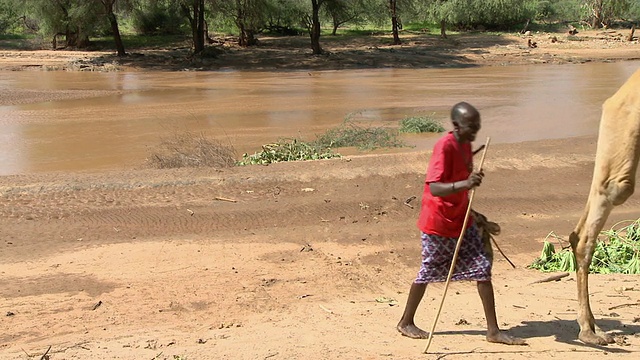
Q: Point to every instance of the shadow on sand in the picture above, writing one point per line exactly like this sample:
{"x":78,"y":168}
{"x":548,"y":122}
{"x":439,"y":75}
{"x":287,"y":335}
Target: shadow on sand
{"x":564,"y":331}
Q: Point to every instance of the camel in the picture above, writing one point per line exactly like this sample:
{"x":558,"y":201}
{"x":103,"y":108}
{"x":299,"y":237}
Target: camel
{"x":617,"y":154}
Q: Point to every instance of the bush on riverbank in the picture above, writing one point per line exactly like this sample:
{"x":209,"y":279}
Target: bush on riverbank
{"x":361,"y":136}
{"x":420,"y":124}
{"x":189,"y":149}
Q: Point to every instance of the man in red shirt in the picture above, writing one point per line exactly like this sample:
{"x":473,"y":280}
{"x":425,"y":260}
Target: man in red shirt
{"x":449,"y":178}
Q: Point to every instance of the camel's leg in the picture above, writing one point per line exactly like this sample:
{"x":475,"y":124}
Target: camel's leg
{"x":583,"y":241}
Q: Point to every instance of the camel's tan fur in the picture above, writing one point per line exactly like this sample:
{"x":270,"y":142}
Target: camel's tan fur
{"x":613,"y":182}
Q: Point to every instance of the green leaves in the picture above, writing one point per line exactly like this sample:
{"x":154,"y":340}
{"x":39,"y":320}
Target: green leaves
{"x":618,"y":252}
{"x":550,"y":261}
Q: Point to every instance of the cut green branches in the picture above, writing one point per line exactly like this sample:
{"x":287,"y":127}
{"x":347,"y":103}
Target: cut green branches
{"x":617,"y":252}
{"x":288,"y":150}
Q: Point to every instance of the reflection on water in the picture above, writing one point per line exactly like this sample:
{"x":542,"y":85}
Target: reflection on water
{"x":121,"y":116}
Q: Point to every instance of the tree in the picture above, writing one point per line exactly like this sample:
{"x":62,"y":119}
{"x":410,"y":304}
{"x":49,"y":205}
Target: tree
{"x":9,"y":16}
{"x":314,"y":26}
{"x":154,"y":17}
{"x":342,"y":12}
{"x":393,"y":9}
{"x":249,"y":16}
{"x":602,"y":12}
{"x":73,"y":19}
{"x":470,"y":14}
{"x":193,"y":10}
{"x":113,"y":21}
{"x":249,"y":20}
{"x":313,"y":23}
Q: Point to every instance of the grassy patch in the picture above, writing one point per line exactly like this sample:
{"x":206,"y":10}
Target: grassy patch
{"x":288,"y":150}
{"x":188,"y":149}
{"x":423,"y":27}
{"x":420,"y":124}
{"x":361,"y":136}
{"x":19,"y":42}
{"x":618,"y":251}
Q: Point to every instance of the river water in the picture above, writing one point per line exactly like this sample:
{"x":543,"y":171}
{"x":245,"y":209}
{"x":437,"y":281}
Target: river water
{"x":93,"y":121}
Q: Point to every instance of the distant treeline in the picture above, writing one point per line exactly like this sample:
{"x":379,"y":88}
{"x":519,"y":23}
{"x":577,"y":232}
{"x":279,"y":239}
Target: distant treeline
{"x":71,"y":23}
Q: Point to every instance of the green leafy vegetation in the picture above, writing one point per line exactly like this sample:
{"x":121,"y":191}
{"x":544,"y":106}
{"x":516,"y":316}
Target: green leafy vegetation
{"x":617,"y":252}
{"x":420,"y":124}
{"x":288,"y":150}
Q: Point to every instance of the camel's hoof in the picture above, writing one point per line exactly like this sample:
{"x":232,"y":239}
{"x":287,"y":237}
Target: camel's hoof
{"x":589,"y":337}
{"x":608,"y":338}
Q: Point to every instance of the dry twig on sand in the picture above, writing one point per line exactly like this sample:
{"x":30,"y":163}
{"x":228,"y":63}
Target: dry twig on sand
{"x":624,"y":305}
{"x":551,"y":278}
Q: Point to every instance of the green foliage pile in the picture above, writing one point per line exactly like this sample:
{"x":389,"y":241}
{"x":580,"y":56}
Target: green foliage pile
{"x":360,"y":136}
{"x":188,"y":149}
{"x":420,"y":124}
{"x":550,"y":260}
{"x":288,"y":150}
{"x":619,"y":252}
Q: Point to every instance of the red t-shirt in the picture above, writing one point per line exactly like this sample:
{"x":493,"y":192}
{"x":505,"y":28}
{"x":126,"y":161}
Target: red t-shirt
{"x":450,"y":161}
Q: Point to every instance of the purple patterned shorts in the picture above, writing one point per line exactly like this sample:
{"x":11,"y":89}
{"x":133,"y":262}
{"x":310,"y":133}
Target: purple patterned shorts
{"x":437,"y":254}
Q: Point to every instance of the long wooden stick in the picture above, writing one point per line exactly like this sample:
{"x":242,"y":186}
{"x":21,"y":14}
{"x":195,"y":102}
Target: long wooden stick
{"x":501,"y":252}
{"x":455,"y":253}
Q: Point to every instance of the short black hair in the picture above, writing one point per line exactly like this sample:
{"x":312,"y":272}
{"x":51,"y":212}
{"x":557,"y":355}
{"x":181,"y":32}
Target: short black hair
{"x":463,"y":110}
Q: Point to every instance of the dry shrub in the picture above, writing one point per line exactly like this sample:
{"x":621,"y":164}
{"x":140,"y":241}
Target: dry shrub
{"x":188,"y":149}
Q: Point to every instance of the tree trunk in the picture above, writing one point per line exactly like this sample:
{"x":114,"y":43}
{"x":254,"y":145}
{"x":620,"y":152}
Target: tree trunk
{"x":247,"y":37}
{"x":199,"y":30}
{"x":197,"y":23}
{"x":247,"y":34}
{"x":633,"y":29}
{"x":443,"y":28}
{"x":315,"y":27}
{"x":108,"y":5}
{"x":596,"y":21}
{"x":526,"y":27}
{"x":394,"y":22}
{"x":71,"y":38}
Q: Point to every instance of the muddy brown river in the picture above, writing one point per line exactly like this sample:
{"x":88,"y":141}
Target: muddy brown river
{"x":92,"y":121}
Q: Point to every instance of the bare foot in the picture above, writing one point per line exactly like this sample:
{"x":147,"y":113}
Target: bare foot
{"x":503,"y":338}
{"x":412,"y":331}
